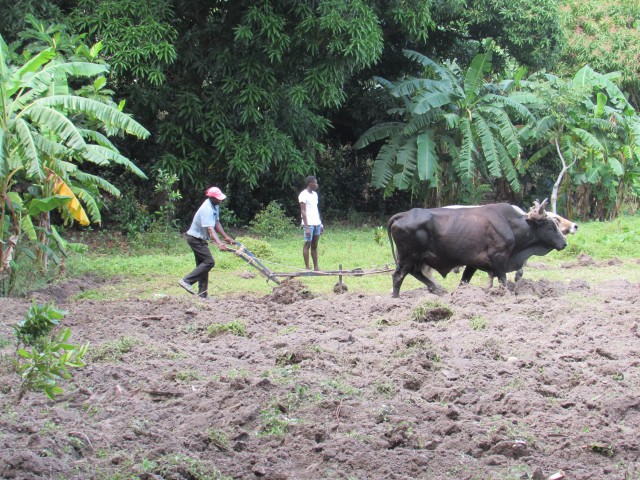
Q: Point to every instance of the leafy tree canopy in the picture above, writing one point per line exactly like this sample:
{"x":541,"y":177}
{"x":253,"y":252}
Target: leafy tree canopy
{"x":454,"y":127}
{"x":244,"y":94}
{"x":604,"y":34}
{"x":528,"y":30}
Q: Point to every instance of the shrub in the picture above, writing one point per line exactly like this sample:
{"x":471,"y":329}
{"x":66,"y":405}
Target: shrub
{"x":46,"y":358}
{"x":38,"y":322}
{"x":272,"y":221}
{"x":229,"y":218}
{"x":260,"y":248}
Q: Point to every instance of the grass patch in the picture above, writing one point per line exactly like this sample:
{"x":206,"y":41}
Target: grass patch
{"x":187,"y":376}
{"x":234,"y":328}
{"x":5,"y":342}
{"x":218,"y":438}
{"x":337,"y":388}
{"x":182,"y":466}
{"x":386,"y":389}
{"x":145,"y":273}
{"x":431,"y":312}
{"x":478,"y":322}
{"x":113,"y":350}
{"x":276,"y":417}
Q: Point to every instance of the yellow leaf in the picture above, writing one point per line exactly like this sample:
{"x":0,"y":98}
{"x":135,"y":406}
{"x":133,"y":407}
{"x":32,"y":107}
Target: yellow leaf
{"x":74,"y":207}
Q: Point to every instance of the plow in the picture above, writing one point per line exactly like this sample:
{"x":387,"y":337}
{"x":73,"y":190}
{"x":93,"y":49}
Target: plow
{"x":278,"y":277}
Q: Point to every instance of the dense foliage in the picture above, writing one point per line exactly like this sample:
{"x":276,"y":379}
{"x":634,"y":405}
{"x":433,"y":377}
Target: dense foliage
{"x":49,"y":128}
{"x":455,"y":129}
{"x":253,"y":96}
{"x":604,"y":34}
{"x":247,"y":95}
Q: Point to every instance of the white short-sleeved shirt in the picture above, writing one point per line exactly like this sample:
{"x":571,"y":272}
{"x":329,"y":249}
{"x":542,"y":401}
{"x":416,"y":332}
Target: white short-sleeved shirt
{"x":310,"y":199}
{"x":206,"y":216}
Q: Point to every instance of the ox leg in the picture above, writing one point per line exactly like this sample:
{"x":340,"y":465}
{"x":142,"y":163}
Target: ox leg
{"x":467,"y":274}
{"x":425,"y":275}
{"x":519,"y":274}
{"x":491,"y":277}
{"x":398,"y":278}
{"x":502,"y":278}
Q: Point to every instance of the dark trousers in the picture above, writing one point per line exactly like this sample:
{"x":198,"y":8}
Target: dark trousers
{"x":204,"y":263}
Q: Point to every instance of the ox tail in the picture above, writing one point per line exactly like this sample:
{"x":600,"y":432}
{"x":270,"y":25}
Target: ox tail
{"x":393,"y":250}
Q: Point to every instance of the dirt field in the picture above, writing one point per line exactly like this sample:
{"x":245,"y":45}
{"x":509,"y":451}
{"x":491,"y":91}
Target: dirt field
{"x":535,"y":382}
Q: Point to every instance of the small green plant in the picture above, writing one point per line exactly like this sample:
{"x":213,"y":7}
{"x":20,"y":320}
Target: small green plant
{"x":229,"y":218}
{"x":379,"y":235}
{"x":478,"y":322}
{"x":273,"y":421}
{"x":129,"y":214}
{"x":602,"y":448}
{"x":384,"y":388}
{"x":187,"y":376}
{"x":164,"y":186}
{"x":385,"y":411}
{"x":45,"y":357}
{"x":260,"y":248}
{"x":287,"y":330}
{"x":275,"y":417}
{"x":148,"y":465}
{"x":218,"y":438}
{"x":44,"y":364}
{"x":91,"y":410}
{"x":177,"y":465}
{"x":618,"y":376}
{"x":235,"y":327}
{"x":38,"y":322}
{"x":343,"y":390}
{"x":272,"y":221}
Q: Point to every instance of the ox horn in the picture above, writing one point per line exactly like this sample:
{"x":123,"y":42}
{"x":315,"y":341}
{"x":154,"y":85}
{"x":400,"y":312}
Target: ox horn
{"x":537,"y":211}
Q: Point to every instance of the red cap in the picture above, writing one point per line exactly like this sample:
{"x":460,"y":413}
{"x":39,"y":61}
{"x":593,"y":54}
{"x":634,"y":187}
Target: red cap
{"x":215,"y":192}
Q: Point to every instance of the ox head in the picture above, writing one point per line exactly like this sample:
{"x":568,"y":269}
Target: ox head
{"x":546,"y":228}
{"x":565,"y":226}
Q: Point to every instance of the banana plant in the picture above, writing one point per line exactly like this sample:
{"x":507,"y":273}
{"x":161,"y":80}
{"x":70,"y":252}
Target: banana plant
{"x":453,"y":127}
{"x":588,"y":124}
{"x":47,"y":131}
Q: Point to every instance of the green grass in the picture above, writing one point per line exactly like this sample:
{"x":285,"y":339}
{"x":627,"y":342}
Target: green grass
{"x":157,"y":271}
{"x":235,"y":328}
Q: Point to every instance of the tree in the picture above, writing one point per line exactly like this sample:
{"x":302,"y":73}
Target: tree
{"x":454,"y":128}
{"x":250,"y":93}
{"x":47,"y":130}
{"x":604,"y":34}
{"x":595,"y":132}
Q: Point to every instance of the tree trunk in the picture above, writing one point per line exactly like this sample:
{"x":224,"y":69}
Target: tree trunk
{"x":43,"y":238}
{"x":556,"y":186}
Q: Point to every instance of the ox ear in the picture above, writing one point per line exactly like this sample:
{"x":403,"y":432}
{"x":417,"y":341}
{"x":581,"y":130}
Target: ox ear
{"x":537,"y":211}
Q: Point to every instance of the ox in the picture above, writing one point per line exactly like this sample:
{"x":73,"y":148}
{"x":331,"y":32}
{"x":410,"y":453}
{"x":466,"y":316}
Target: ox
{"x":565,"y":226}
{"x":494,"y":238}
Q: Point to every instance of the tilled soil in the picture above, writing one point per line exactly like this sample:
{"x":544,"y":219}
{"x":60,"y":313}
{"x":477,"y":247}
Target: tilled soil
{"x":537,"y":381}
